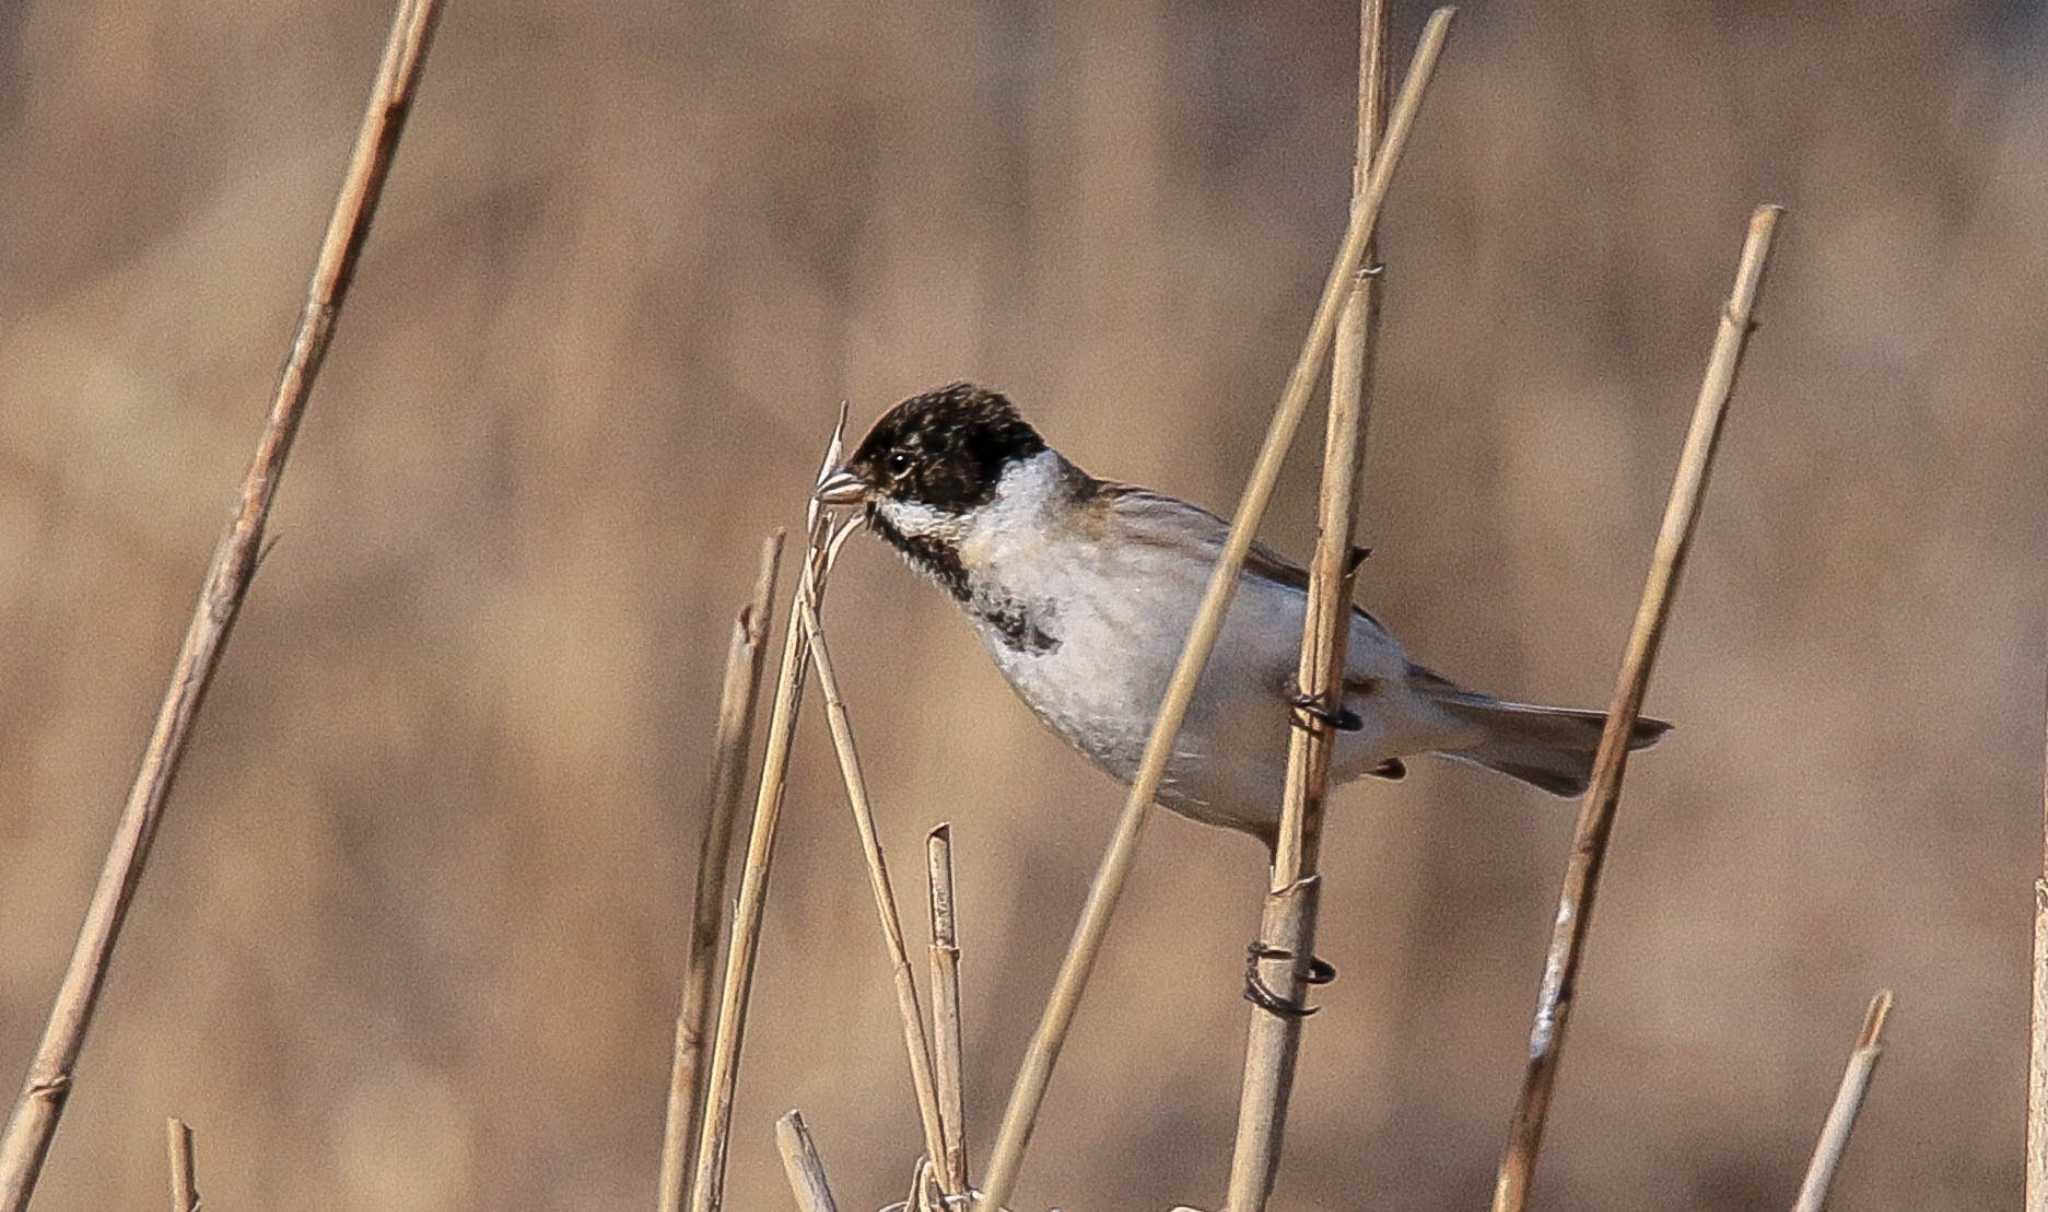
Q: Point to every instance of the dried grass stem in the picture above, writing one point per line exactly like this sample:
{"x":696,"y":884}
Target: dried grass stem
{"x":1597,"y":810}
{"x":1834,"y":1133}
{"x":184,"y":1177}
{"x":1028,"y":1094}
{"x":800,"y":1162}
{"x":948,"y":1048}
{"x":707,"y":1182}
{"x":33,"y":1122}
{"x":739,"y":695}
{"x":915,"y":1042}
{"x":1287,"y":923}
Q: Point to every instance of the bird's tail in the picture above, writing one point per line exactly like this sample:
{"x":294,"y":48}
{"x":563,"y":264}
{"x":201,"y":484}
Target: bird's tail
{"x":1547,"y":747}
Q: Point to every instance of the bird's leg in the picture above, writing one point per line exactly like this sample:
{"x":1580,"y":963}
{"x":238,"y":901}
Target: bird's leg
{"x":1309,"y":711}
{"x":1259,"y":994}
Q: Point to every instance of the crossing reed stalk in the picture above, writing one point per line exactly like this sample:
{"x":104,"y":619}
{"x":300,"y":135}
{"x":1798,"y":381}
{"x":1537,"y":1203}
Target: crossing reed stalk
{"x":1027,"y":1095}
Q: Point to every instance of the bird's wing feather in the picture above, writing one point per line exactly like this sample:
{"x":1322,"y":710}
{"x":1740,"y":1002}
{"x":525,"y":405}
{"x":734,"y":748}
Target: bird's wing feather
{"x":1153,"y":517}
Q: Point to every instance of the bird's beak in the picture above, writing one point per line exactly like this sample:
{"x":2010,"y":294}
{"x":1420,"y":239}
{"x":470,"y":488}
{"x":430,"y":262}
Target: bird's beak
{"x":842,"y":487}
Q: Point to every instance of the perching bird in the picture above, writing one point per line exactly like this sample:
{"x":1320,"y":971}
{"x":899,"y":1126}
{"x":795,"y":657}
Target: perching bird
{"x":1083,"y":591}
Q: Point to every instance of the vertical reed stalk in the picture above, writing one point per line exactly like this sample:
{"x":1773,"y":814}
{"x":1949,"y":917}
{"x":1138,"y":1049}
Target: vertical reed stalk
{"x":1287,"y":925}
{"x":737,"y":700}
{"x":1035,"y":1074}
{"x":707,"y":1184}
{"x":1834,"y":1134}
{"x":33,"y":1122}
{"x":1596,"y":811}
{"x":914,"y":1041}
{"x":2037,"y":1050}
{"x":949,"y":1052}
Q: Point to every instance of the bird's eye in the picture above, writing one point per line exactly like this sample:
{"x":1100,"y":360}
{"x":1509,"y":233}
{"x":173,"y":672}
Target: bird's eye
{"x":898,"y":462}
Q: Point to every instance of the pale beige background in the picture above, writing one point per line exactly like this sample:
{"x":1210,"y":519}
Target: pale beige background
{"x":411,"y":937}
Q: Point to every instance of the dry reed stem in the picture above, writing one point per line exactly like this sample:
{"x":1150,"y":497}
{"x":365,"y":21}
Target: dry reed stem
{"x":233,"y":566}
{"x":948,"y":1048}
{"x":1596,"y":811}
{"x":926,"y":1190}
{"x":739,"y":696}
{"x":1028,"y":1094}
{"x":2037,"y":1062}
{"x":800,"y":1161}
{"x":914,"y":1041}
{"x":184,"y":1179}
{"x":1834,"y":1133}
{"x":927,"y":1196}
{"x":2037,"y":1050}
{"x":1287,"y":923}
{"x":707,"y":1183}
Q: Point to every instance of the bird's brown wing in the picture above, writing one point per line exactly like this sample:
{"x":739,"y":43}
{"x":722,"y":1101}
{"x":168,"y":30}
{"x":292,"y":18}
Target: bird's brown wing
{"x":1145,"y":516}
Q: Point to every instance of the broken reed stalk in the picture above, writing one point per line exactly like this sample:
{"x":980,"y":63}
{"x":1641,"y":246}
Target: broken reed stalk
{"x":707,"y":1182}
{"x":914,"y":1040}
{"x":948,"y":1048}
{"x":738,"y":698}
{"x":184,"y":1180}
{"x":229,"y":573}
{"x":1287,"y":921}
{"x":1028,"y":1094}
{"x":800,"y":1162}
{"x":925,"y":1193}
{"x":2037,"y":1050}
{"x":1834,"y":1133}
{"x":1596,"y":811}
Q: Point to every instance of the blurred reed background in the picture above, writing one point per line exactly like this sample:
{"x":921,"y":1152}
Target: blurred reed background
{"x":413,"y":933}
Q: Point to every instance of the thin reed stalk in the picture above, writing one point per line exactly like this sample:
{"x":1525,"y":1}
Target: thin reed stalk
{"x":184,"y":1178}
{"x":1287,"y":923}
{"x":44,"y":1091}
{"x":1834,"y":1134}
{"x":800,"y":1162}
{"x":926,"y":1193}
{"x":949,"y":1052}
{"x":1028,"y":1094}
{"x":1597,"y":810}
{"x":915,"y":1042}
{"x":738,"y":698}
{"x":2037,"y":1044}
{"x":2037,"y":1062}
{"x":707,"y":1183}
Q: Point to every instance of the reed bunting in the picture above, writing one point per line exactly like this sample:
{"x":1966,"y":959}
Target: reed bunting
{"x":1083,"y":590}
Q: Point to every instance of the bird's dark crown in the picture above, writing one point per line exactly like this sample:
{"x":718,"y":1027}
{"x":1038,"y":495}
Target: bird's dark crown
{"x":945,"y":448}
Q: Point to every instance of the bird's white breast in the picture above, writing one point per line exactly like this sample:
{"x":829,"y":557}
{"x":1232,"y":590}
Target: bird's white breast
{"x":1105,"y":612}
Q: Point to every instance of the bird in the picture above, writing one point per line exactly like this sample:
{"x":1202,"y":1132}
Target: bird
{"x":1082,"y":590}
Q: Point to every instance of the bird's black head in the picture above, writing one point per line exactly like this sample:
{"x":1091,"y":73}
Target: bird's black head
{"x":945,"y":450}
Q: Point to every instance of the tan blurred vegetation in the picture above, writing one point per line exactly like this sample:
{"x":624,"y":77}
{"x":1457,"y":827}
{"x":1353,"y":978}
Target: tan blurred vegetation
{"x":413,"y":933}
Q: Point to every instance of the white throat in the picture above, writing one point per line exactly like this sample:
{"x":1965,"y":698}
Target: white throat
{"x":1024,"y":493}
